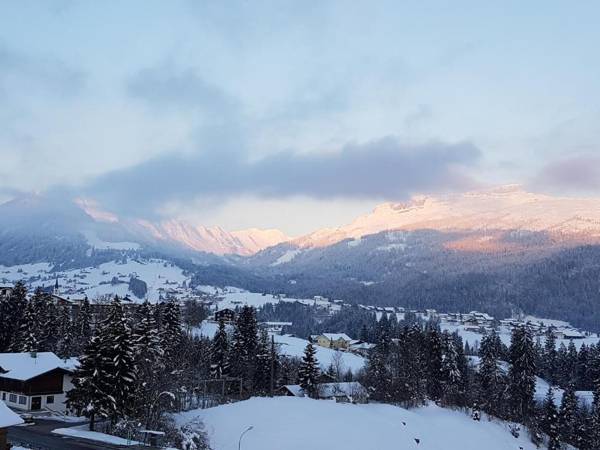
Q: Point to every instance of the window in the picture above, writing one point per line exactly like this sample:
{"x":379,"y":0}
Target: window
{"x":22,"y":400}
{"x":50,"y":399}
{"x":4,"y":396}
{"x":12,"y":398}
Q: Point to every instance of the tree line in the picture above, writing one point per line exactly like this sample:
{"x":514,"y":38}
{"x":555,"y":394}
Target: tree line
{"x":411,"y":364}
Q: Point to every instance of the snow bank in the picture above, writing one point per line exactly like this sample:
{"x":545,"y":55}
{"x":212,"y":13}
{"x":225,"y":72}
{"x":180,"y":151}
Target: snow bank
{"x":83,"y":433}
{"x":7,"y":417}
{"x":299,"y":423}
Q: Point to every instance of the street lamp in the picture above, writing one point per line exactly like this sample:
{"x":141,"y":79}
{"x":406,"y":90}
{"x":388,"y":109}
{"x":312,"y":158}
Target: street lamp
{"x":242,"y":435}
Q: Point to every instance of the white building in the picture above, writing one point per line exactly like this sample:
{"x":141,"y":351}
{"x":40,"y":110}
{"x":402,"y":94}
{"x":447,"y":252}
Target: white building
{"x":35,"y":381}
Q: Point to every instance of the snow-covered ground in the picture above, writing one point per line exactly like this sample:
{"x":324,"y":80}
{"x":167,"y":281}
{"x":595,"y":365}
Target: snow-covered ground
{"x":504,"y":333}
{"x":83,"y":432}
{"x":294,"y":346}
{"x":95,"y":282}
{"x":541,"y":386}
{"x":233,"y":296}
{"x":300,"y":423}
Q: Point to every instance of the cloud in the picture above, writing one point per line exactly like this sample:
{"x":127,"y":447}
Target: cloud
{"x":22,"y":74}
{"x":575,"y":173}
{"x":385,"y":168}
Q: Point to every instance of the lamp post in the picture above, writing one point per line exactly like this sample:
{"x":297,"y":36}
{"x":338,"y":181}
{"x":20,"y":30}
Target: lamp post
{"x":242,"y":435}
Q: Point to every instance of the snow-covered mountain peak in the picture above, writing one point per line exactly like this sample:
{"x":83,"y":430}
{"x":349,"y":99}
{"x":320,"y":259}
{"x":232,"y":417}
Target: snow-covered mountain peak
{"x":508,"y":207}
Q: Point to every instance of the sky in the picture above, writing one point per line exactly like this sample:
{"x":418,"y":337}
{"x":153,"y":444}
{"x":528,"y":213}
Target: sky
{"x":294,"y":115}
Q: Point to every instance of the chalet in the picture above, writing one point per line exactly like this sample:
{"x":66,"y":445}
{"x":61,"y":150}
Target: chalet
{"x":275,"y":327}
{"x":337,"y":341}
{"x":35,"y":381}
{"x":360,"y":347}
{"x":226,"y":314}
{"x":7,"y":419}
{"x":568,"y":333}
{"x":347,"y":392}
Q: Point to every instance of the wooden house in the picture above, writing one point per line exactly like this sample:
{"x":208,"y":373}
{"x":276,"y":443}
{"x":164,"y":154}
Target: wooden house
{"x":35,"y":381}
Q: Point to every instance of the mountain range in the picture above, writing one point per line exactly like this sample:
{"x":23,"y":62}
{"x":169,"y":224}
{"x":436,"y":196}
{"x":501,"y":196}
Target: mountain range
{"x":499,"y":250}
{"x":491,"y":214}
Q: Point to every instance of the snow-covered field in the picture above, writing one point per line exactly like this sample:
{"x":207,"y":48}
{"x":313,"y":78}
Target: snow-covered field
{"x":292,"y":423}
{"x":504,"y":333}
{"x":95,"y":282}
{"x":294,"y":346}
{"x":232,"y":297}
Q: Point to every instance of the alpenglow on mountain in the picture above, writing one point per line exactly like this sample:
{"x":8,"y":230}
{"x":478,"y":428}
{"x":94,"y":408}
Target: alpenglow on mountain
{"x":500,"y":209}
{"x":488,"y":212}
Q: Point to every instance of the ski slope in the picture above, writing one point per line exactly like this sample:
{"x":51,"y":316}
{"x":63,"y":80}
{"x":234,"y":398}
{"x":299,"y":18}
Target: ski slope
{"x":292,"y":423}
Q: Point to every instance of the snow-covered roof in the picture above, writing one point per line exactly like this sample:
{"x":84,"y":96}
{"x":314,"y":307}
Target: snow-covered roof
{"x":7,"y":417}
{"x":362,"y":346}
{"x":326,"y":390}
{"x":336,"y":336}
{"x":24,"y":366}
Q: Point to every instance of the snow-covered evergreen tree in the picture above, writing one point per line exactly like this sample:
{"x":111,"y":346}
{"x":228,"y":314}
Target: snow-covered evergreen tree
{"x":245,"y":347}
{"x":117,"y":346}
{"x":491,"y":382}
{"x":434,"y":355}
{"x":220,"y":352}
{"x":82,"y":328}
{"x":12,"y":309}
{"x":170,"y":326}
{"x":308,"y":373}
{"x":91,"y":393}
{"x":521,"y":375}
{"x":568,"y":416}
{"x":451,"y":377}
{"x":550,"y":421}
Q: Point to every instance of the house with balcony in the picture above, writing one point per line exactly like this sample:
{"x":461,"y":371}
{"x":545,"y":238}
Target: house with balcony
{"x":35,"y":381}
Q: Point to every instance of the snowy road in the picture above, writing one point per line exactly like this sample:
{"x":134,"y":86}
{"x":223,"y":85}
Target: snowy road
{"x":40,"y":437}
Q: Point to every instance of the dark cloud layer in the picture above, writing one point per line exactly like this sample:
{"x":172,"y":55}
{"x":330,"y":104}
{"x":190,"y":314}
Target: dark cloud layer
{"x":578,"y":172}
{"x":380,"y":169}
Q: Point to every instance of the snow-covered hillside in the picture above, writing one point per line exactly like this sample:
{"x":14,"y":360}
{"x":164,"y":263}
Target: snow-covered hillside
{"x":300,"y":423}
{"x":504,"y":208}
{"x":84,"y":219}
{"x":108,"y":279}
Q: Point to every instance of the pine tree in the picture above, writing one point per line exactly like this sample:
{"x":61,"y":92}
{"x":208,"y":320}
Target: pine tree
{"x":568,"y":415}
{"x":146,"y":337}
{"x":81,"y":328}
{"x":171,"y":331}
{"x":309,"y":372}
{"x":12,"y":309}
{"x":550,"y":421}
{"x":378,"y":374}
{"x":583,"y":368}
{"x":117,"y":346}
{"x":64,"y":343}
{"x":90,"y":395}
{"x":262,"y":374}
{"x":490,"y":379}
{"x":149,"y":366}
{"x":28,"y":334}
{"x":434,"y":353}
{"x":245,"y":347}
{"x":549,"y":370}
{"x":521,"y":375}
{"x":220,"y":352}
{"x":450,"y":375}
{"x":594,"y":426}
